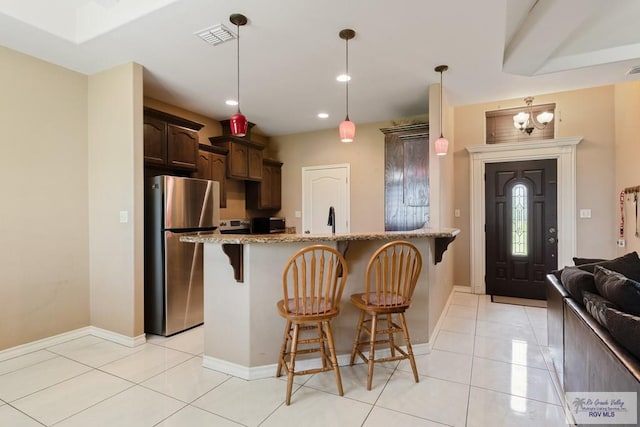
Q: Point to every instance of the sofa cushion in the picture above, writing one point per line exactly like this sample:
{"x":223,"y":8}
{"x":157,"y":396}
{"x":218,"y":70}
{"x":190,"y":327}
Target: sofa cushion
{"x":627,"y":265}
{"x":596,"y":306}
{"x":625,"y":328}
{"x":621,"y":290}
{"x":581,"y":261}
{"x":576,"y":281}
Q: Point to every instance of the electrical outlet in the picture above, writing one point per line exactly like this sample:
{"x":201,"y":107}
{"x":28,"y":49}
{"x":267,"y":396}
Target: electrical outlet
{"x":585,"y":213}
{"x":621,"y":243}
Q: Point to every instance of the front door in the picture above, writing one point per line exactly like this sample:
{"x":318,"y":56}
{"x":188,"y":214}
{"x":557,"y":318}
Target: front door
{"x":521,"y":227}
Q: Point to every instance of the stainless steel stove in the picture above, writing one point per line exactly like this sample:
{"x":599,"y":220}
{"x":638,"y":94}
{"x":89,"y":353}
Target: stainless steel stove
{"x":235,"y":226}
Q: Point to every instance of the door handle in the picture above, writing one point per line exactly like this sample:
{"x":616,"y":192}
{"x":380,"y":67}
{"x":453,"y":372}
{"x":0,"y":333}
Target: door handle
{"x":552,"y":230}
{"x":551,"y":240}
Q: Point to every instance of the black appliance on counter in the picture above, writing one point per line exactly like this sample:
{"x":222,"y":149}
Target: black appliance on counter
{"x":268,"y":225}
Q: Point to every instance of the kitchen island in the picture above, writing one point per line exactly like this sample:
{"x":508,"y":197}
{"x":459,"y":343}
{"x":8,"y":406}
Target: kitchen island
{"x":243,"y":282}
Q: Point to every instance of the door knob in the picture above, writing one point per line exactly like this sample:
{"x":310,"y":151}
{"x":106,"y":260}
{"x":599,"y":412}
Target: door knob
{"x":551,"y":240}
{"x":552,"y":230}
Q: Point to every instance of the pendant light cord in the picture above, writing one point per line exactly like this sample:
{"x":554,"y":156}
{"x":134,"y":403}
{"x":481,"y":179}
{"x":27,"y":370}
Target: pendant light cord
{"x":238,"y":64}
{"x":348,"y":77}
{"x":441,"y":135}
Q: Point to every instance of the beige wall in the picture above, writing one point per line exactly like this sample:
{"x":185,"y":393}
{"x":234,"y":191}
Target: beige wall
{"x":365,"y":155}
{"x":627,"y":107}
{"x":43,"y":215}
{"x":588,"y":113}
{"x":115,"y":184}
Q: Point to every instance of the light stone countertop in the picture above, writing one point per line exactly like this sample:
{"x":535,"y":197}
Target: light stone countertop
{"x":291,"y":238}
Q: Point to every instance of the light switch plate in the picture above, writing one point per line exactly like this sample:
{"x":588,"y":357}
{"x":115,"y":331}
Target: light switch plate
{"x":456,"y":213}
{"x":124,"y":217}
{"x":298,"y":214}
{"x":585,"y":213}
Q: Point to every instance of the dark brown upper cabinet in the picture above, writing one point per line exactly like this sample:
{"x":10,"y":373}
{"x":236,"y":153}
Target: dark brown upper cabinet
{"x":244,"y":158}
{"x":170,"y":142}
{"x":266,"y":194}
{"x":406,"y":177}
{"x":212,"y":164}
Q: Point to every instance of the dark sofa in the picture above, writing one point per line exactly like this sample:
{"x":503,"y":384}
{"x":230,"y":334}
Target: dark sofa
{"x":594,"y":342}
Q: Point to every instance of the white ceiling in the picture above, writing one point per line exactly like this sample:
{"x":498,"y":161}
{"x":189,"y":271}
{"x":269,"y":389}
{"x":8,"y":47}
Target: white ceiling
{"x":291,"y":52}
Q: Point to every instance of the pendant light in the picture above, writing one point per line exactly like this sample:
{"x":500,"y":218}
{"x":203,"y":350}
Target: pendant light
{"x":238,"y":122}
{"x":442,"y":143}
{"x":347,"y":128}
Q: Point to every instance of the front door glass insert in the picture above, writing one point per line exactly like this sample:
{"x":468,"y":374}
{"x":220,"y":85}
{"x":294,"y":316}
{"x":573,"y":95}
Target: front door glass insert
{"x":519,"y":222}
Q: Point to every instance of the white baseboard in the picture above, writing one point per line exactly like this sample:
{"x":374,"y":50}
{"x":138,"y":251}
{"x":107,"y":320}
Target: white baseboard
{"x":269,"y":371}
{"x":23,"y":349}
{"x":463,"y":289}
{"x":118,"y":338}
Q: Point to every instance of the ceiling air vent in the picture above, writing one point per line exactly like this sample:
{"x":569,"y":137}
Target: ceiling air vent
{"x":634,"y":70}
{"x":216,"y":34}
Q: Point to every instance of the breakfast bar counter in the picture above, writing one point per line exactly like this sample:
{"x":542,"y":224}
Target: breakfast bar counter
{"x":243,"y":282}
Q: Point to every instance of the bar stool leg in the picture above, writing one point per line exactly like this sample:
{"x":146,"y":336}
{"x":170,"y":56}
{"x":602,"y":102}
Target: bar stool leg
{"x":405,"y":330}
{"x":392,"y":344}
{"x":356,"y":341}
{"x":334,"y":359}
{"x":323,"y":339}
{"x":292,"y":361}
{"x":372,"y":349}
{"x":283,"y":348}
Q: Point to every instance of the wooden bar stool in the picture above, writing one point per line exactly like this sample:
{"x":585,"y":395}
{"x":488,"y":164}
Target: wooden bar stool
{"x":312,"y":282}
{"x":390,"y":279}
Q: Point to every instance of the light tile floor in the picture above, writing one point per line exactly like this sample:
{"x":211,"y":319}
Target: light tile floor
{"x":489,"y":367}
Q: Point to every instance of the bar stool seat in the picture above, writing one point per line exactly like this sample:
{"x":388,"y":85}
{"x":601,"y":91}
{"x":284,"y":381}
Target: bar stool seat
{"x":312,"y":281}
{"x":390,"y":279}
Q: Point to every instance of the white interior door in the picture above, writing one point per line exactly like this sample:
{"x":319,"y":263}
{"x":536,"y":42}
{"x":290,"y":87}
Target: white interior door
{"x":322,"y":187}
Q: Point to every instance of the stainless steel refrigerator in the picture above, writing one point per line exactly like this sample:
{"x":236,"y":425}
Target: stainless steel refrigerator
{"x":174,"y":207}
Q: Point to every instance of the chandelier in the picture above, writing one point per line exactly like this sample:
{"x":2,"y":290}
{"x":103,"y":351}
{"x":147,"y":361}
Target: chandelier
{"x":526,"y":122}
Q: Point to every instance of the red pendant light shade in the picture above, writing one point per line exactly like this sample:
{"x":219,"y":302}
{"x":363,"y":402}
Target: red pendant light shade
{"x":238,"y":122}
{"x":347,"y":128}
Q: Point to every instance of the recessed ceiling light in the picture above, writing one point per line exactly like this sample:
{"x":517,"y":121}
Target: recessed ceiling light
{"x":231,"y":102}
{"x":323,"y":115}
{"x":343,"y":78}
